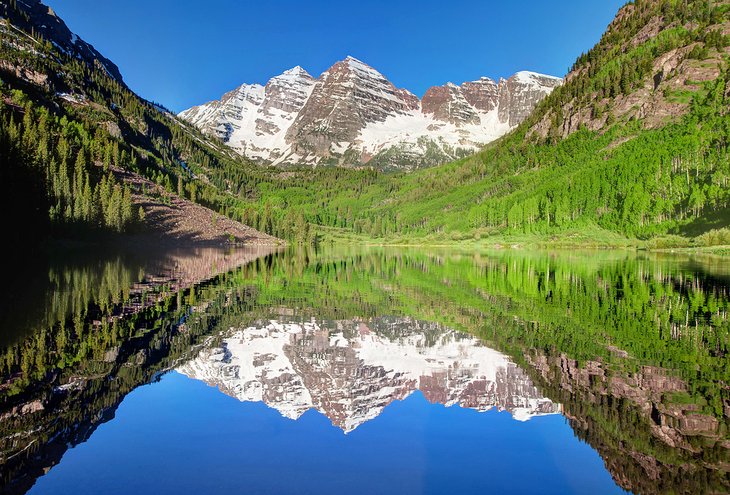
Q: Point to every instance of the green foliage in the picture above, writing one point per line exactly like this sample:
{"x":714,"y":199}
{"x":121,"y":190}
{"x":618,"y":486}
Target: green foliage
{"x":49,"y":165}
{"x":715,"y":237}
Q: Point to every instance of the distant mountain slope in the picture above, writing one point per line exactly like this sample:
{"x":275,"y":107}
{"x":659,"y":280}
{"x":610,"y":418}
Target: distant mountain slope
{"x":352,"y":115}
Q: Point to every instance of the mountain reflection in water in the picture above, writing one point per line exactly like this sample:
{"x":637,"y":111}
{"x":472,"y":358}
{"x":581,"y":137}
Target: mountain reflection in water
{"x":351,"y":370}
{"x":620,"y":355}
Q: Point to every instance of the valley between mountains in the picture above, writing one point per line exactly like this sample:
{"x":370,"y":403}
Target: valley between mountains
{"x":381,"y":279}
{"x":630,"y":148}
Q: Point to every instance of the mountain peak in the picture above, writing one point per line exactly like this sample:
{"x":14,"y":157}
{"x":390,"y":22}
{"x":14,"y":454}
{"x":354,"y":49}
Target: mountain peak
{"x":528,"y":77}
{"x":353,"y":113}
{"x":357,"y":67}
{"x":296,"y":71}
{"x":352,"y":60}
{"x":295,"y":76}
{"x":246,"y":90}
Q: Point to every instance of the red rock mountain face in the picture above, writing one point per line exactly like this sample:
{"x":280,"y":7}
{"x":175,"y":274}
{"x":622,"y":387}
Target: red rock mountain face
{"x":482,"y":94}
{"x":350,"y":95}
{"x":519,"y":94}
{"x":281,"y":96}
{"x":448,"y":103}
{"x":352,"y":116}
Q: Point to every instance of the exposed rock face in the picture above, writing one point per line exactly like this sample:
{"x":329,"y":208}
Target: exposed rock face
{"x":482,"y":94}
{"x":654,"y":99}
{"x":352,"y":116}
{"x":349,"y":96}
{"x":45,"y":22}
{"x":447,"y":103}
{"x":254,"y":116}
{"x":177,"y":221}
{"x":519,"y":94}
{"x":351,"y":372}
{"x":235,"y":108}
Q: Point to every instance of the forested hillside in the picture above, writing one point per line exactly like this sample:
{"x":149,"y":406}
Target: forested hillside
{"x":69,"y":124}
{"x":634,"y":145}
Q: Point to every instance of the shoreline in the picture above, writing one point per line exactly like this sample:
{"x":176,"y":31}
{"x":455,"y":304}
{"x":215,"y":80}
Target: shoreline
{"x":585,"y":241}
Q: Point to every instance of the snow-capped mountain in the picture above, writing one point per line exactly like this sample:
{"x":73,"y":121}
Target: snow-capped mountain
{"x":351,"y":370}
{"x":352,"y":115}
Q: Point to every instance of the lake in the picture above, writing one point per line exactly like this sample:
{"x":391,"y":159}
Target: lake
{"x":365,"y":370}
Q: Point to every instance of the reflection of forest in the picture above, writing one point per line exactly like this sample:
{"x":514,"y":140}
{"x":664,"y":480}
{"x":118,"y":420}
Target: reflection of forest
{"x":634,"y":347}
{"x":107,"y":326}
{"x":56,"y":287}
{"x":649,"y":444}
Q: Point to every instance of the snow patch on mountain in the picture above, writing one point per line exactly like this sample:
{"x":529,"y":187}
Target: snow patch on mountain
{"x":527,"y":77}
{"x":412,"y":127}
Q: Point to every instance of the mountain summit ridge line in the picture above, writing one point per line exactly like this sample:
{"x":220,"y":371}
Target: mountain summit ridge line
{"x":352,"y":115}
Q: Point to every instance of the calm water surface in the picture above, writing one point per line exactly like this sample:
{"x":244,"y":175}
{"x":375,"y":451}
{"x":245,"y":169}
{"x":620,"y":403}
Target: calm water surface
{"x":366,"y":371}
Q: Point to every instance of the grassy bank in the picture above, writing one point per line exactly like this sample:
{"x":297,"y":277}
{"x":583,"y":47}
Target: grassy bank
{"x":714,"y":242}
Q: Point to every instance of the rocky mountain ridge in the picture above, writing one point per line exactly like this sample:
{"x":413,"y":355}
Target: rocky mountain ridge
{"x":352,"y":116}
{"x":651,"y":61}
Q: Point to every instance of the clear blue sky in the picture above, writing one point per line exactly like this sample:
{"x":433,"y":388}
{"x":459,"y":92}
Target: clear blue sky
{"x":186,"y":52}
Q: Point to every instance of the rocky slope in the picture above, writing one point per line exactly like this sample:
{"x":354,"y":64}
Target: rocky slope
{"x":352,"y":370}
{"x":647,"y":67}
{"x":352,"y":115}
{"x":32,"y":15}
{"x":173,"y":220}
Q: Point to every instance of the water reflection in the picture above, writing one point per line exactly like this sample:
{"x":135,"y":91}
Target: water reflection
{"x":351,"y":370}
{"x":632,"y":349}
{"x":54,"y":287}
{"x":99,"y":327}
